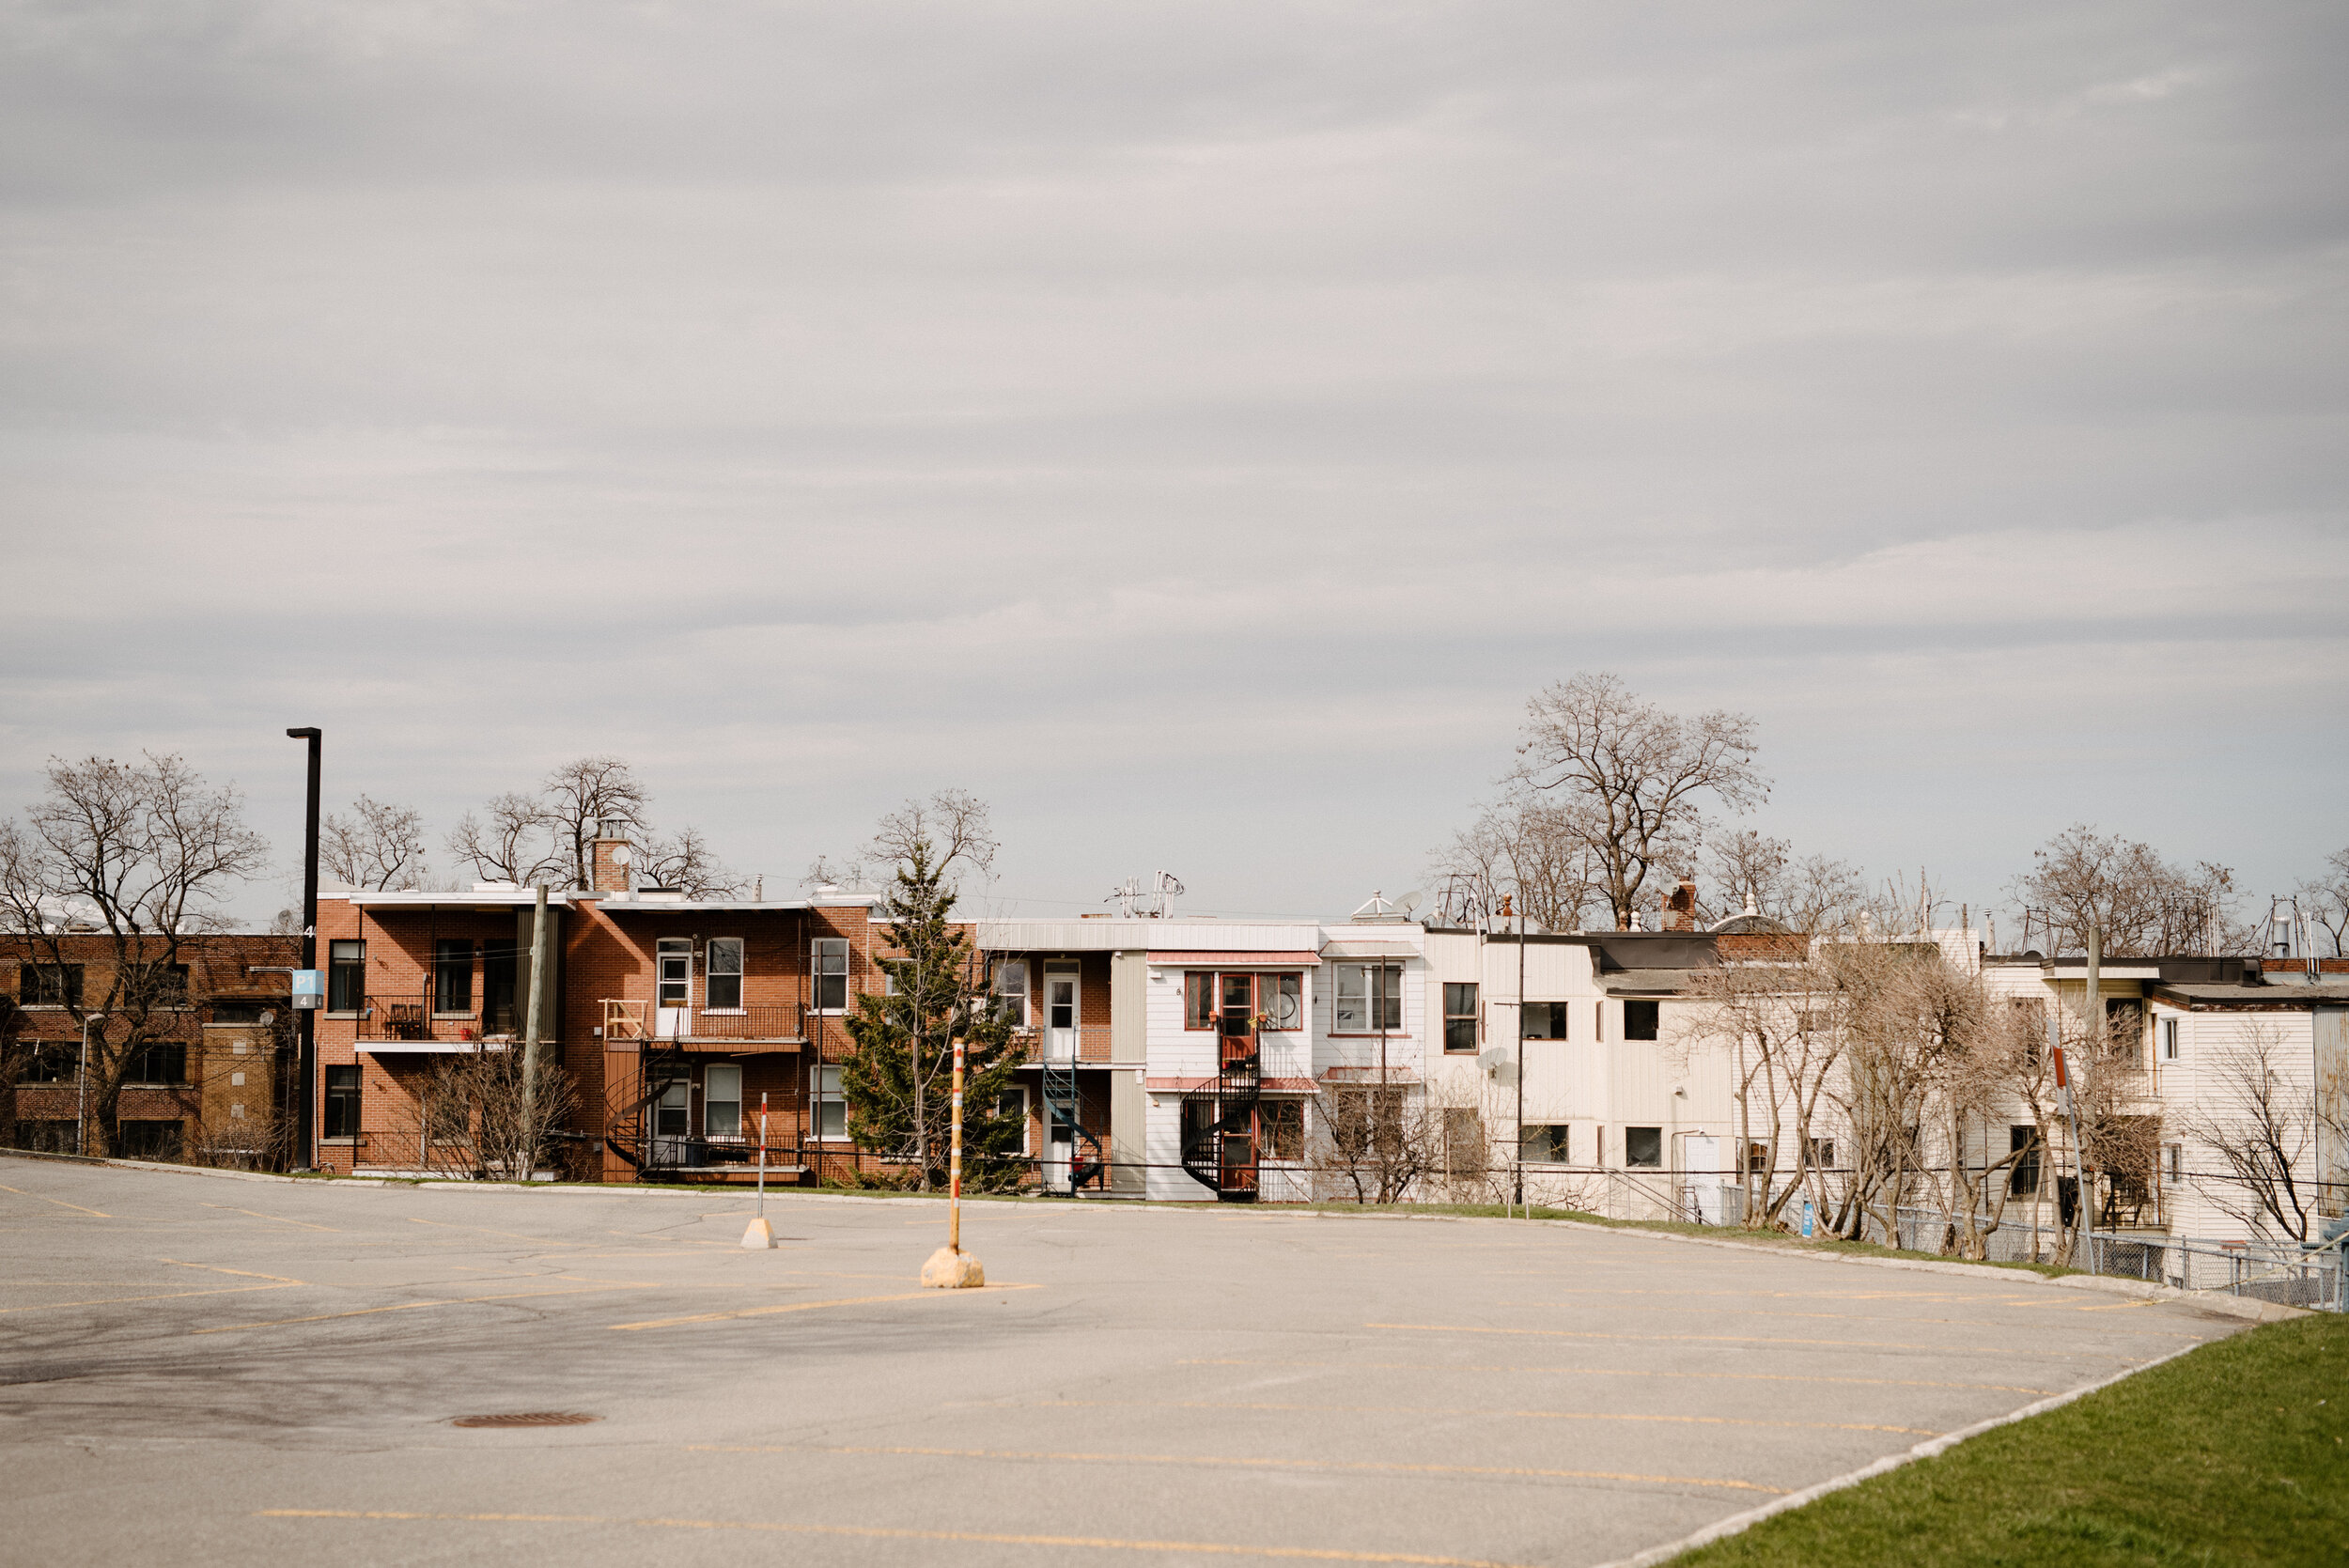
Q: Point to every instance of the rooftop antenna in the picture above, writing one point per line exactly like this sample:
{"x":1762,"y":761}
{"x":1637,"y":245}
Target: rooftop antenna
{"x":1155,"y":902}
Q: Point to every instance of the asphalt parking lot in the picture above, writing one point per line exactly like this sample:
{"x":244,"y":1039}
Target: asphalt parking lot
{"x":200,"y":1368}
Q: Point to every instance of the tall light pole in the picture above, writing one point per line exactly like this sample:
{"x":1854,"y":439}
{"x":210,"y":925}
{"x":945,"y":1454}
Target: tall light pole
{"x":305,"y":1048}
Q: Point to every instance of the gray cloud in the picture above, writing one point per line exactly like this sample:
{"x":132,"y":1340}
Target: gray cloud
{"x":1196,"y":428}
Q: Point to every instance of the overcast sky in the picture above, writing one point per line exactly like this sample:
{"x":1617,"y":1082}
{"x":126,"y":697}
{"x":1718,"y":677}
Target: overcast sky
{"x":1195,"y":429}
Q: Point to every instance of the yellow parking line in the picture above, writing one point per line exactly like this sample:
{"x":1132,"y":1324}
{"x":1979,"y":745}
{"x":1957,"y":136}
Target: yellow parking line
{"x":877,"y":1532}
{"x":1222,"y":1462}
{"x":1616,"y":1372}
{"x":812,"y":1305}
{"x":231,"y":1208}
{"x":1734,"y":1339}
{"x":240,"y":1273}
{"x":406,"y":1307}
{"x":59,"y":1202}
{"x":1443,"y":1410}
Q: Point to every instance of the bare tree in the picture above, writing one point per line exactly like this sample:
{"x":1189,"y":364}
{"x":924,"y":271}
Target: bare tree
{"x":2260,"y":1126}
{"x":952,"y":827}
{"x":1533,"y":846}
{"x":509,"y":841}
{"x":470,"y":1117}
{"x":548,"y":837}
{"x":1375,"y":1142}
{"x":1637,"y":774}
{"x":2144,"y":905}
{"x":138,"y":858}
{"x":689,"y":864}
{"x":591,"y":795}
{"x":1761,"y":875}
{"x":2325,"y":897}
{"x":377,"y":846}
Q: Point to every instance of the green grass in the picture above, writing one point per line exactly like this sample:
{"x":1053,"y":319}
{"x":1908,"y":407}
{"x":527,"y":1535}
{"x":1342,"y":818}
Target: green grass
{"x":2236,"y":1452}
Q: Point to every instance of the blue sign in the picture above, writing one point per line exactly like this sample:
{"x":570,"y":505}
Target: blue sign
{"x":1810,"y":1218}
{"x":309,"y":989}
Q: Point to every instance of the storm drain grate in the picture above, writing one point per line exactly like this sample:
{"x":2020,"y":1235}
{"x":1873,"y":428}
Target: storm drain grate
{"x":528,"y":1418}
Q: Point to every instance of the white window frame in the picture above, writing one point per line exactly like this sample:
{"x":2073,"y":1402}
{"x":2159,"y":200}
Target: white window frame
{"x":828,"y":1094}
{"x":710,"y":970}
{"x":1360,"y":997}
{"x":2169,"y":1032}
{"x":821,"y":954}
{"x":712,"y":1075}
{"x":1004,"y":969}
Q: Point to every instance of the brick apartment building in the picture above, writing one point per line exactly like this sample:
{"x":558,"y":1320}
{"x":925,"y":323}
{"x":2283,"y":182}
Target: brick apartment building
{"x":672,"y":1016}
{"x":210,"y":1086}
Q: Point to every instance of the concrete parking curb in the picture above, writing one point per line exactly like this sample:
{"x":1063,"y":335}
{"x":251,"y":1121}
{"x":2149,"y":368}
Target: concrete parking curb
{"x":1737,"y":1523}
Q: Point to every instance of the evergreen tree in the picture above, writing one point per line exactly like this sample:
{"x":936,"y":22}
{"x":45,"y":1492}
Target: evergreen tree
{"x":898,"y":1080}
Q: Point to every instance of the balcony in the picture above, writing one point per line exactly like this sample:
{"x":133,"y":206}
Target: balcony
{"x":412,"y":1025}
{"x":1084,"y":1047}
{"x":627,"y":1021}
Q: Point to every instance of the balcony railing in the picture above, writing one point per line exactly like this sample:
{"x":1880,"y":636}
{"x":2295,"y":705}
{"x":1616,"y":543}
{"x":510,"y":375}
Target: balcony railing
{"x":1084,"y":1045}
{"x":387,"y":1020}
{"x":627,"y":1021}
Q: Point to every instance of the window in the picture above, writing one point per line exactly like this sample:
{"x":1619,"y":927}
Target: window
{"x":1463,"y":1140}
{"x":240,"y":1009}
{"x":50,"y":986}
{"x":2124,"y":1028}
{"x":832,"y":1110}
{"x":1282,"y":998}
{"x":342,"y":1103}
{"x":151,"y":1139}
{"x":722,"y":984}
{"x":1639,"y":1021}
{"x":1198,"y":999}
{"x":47,"y":1136}
{"x":1757,"y":1158}
{"x":1545,"y":1020}
{"x":158,"y":1062}
{"x":1283,"y":1123}
{"x":1369,"y":998}
{"x":2023,"y":1176}
{"x":829,"y":964}
{"x":2170,"y":1039}
{"x":1643,"y":1148}
{"x":2173,"y":1163}
{"x":1198,"y":1129}
{"x":59,"y":1063}
{"x":346,"y":977}
{"x":501,"y":973}
{"x":1012,"y":1106}
{"x":1459,"y":1016}
{"x":452,"y":974}
{"x":1546,"y":1144}
{"x":156,"y":984}
{"x":1823,"y":1153}
{"x":1011,"y":990}
{"x":722,"y":1100}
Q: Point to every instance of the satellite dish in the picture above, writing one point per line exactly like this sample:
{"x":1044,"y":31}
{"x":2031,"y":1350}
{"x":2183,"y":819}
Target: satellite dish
{"x":620,"y":856}
{"x":1411,"y":901}
{"x":268,"y":1016}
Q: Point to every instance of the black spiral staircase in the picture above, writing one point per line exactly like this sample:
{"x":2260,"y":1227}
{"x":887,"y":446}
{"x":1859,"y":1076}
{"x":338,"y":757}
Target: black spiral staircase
{"x":1219,"y":1149}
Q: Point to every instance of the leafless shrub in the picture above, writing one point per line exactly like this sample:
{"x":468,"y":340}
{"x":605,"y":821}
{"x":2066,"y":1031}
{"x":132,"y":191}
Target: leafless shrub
{"x":1374,"y":1143}
{"x":2259,"y":1127}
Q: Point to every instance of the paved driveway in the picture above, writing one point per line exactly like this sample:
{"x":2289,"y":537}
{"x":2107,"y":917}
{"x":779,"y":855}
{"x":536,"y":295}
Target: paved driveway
{"x":211,"y":1370}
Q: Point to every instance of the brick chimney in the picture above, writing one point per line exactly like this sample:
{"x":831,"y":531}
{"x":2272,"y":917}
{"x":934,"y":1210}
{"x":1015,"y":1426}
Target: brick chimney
{"x":612,"y":859}
{"x":1680,"y":909}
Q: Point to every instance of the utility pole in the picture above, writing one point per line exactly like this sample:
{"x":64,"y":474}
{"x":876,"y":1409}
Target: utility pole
{"x":1506,"y":902}
{"x":530,"y":1038}
{"x":305,"y":1048}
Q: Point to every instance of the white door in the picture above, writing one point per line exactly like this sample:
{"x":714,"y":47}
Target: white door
{"x":1060,"y":1016}
{"x":673,"y":988}
{"x":1703,"y":1177}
